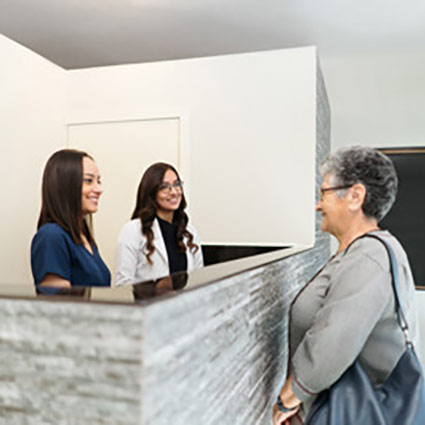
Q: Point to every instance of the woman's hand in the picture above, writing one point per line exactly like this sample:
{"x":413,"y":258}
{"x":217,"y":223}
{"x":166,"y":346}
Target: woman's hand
{"x":281,"y":418}
{"x":290,"y":401}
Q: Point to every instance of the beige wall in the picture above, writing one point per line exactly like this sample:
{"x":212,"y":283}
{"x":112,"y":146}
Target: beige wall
{"x":32,"y":126}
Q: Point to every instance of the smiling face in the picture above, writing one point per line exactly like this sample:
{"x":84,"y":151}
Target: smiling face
{"x":334,"y":209}
{"x":91,"y":187}
{"x":169,"y":199}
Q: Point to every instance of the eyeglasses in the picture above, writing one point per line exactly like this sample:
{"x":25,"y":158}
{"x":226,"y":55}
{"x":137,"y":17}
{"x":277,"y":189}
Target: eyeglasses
{"x":178,"y":186}
{"x":323,"y":190}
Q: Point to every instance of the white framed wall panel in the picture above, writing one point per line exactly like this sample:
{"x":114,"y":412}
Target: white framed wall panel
{"x":123,"y":150}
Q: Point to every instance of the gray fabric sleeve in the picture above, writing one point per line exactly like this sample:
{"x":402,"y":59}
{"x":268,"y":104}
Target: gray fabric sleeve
{"x":359,"y":291}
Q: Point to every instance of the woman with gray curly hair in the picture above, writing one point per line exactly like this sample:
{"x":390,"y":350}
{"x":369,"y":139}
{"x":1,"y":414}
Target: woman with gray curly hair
{"x":347,"y":311}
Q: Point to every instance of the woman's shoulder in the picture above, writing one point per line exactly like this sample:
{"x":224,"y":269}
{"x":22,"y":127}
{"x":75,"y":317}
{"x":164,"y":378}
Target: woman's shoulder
{"x":133,"y":224}
{"x":132,"y":229}
{"x":373,"y":248}
{"x":51,"y":231}
{"x":51,"y":237}
{"x":372,"y":240}
{"x":191,"y":228}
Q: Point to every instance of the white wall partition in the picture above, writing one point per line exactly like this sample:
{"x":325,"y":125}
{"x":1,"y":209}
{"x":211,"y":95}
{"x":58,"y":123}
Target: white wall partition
{"x":249,"y":130}
{"x":377,"y":100}
{"x":32,"y":126}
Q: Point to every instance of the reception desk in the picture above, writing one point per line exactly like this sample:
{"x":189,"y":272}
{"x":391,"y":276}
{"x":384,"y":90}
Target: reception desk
{"x":208,"y":350}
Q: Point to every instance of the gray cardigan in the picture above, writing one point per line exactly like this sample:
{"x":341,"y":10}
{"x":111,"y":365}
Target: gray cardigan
{"x":348,"y":312}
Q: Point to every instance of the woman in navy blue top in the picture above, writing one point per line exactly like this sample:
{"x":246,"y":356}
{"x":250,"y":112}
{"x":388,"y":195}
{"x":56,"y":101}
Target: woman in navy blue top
{"x":63,"y":251}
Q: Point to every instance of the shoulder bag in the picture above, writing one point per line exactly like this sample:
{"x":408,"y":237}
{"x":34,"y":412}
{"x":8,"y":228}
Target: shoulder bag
{"x":353,"y":400}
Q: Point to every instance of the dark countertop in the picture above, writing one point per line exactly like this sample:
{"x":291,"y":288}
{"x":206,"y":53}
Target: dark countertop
{"x":146,"y":292}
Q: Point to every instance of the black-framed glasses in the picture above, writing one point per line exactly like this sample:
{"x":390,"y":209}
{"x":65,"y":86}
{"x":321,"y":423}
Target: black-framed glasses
{"x":323,"y":190}
{"x":177,"y":185}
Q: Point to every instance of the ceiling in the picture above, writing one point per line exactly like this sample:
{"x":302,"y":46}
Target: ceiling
{"x":88,"y":33}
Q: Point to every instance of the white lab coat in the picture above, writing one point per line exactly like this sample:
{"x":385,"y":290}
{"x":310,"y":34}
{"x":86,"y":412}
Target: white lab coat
{"x":131,"y":263}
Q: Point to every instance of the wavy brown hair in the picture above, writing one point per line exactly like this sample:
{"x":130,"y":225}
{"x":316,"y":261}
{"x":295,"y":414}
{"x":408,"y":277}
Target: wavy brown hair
{"x":146,"y":208}
{"x":61,"y":194}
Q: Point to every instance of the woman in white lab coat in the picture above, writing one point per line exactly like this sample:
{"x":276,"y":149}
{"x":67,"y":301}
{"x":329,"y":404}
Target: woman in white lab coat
{"x":158,"y":240}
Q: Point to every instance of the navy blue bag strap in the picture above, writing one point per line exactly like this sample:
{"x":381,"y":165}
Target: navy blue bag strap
{"x":394,"y":280}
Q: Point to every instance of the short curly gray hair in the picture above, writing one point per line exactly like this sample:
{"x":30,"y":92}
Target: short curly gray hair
{"x":373,"y":169}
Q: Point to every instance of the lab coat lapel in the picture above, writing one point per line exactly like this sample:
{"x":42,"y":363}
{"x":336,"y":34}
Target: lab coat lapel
{"x":158,"y":241}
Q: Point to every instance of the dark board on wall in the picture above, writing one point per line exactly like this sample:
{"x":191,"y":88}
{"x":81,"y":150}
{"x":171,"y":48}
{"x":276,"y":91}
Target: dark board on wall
{"x":406,"y":220}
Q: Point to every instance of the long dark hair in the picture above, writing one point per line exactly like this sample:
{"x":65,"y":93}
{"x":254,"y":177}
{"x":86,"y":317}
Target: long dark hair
{"x":61,"y":194}
{"x":146,"y":208}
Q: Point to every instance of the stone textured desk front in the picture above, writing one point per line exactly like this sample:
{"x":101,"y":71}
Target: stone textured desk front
{"x":69,"y":363}
{"x":211,"y":355}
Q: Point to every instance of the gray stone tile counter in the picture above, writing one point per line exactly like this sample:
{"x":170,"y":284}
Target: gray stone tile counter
{"x":210,"y":354}
{"x":69,"y":363}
